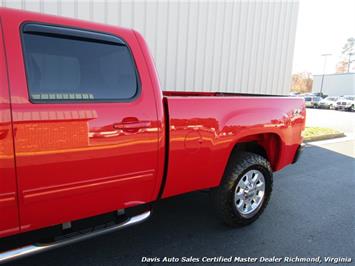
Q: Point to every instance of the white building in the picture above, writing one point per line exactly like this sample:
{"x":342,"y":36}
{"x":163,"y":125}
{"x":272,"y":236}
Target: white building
{"x":228,"y":46}
{"x":335,"y":84}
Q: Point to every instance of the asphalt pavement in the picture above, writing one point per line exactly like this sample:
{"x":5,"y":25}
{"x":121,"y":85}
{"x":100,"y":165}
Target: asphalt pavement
{"x":340,"y":120}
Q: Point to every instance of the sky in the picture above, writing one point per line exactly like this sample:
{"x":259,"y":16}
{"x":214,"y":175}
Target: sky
{"x":323,"y":28}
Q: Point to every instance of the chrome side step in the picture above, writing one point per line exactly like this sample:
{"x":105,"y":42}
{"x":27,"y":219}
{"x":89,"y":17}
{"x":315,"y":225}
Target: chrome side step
{"x":36,"y":248}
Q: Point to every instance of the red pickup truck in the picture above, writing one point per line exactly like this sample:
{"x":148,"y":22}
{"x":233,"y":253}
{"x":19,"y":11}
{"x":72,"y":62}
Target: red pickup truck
{"x":89,"y":142}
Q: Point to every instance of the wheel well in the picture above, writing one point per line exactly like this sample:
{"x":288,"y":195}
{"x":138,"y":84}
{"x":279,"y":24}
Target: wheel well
{"x":266,"y":145}
{"x":251,"y":146}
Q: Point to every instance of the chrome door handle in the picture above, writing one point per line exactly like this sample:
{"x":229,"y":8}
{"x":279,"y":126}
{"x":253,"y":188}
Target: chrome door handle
{"x":132,"y":125}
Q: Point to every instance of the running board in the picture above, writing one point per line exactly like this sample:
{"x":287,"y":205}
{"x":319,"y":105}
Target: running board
{"x":36,"y":248}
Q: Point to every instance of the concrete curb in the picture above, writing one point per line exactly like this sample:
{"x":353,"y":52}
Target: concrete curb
{"x":324,"y":137}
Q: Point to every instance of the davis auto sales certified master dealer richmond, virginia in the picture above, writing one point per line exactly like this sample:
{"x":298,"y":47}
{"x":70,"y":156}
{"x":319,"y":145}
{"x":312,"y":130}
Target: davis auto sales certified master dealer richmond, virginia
{"x":235,"y":259}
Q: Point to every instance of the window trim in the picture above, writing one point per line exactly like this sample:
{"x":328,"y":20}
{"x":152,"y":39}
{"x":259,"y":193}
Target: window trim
{"x":83,"y":34}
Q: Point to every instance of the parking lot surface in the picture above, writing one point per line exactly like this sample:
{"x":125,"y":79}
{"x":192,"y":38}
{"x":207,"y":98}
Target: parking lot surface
{"x":340,"y":120}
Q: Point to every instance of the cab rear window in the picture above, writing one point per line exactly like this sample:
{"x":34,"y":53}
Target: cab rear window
{"x":69,"y":65}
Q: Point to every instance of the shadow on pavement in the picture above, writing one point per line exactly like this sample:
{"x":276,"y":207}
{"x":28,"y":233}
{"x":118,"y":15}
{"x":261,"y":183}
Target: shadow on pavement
{"x":311,"y":213}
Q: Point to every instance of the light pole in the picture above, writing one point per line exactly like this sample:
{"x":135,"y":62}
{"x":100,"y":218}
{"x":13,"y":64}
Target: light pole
{"x":349,"y":60}
{"x":325,"y":64}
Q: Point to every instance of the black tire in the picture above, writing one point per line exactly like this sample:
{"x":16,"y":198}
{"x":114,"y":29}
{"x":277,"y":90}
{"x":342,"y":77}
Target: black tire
{"x":223,"y":196}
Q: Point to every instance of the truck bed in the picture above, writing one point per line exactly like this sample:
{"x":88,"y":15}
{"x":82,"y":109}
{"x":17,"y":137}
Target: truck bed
{"x":220,"y":94}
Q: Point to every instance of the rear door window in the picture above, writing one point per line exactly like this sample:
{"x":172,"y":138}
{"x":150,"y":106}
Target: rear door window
{"x":68,"y":65}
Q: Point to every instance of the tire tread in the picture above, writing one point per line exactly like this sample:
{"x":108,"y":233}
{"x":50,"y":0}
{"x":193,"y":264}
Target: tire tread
{"x":221,"y":196}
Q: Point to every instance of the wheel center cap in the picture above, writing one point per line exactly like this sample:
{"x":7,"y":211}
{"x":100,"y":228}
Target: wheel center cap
{"x":249,"y":193}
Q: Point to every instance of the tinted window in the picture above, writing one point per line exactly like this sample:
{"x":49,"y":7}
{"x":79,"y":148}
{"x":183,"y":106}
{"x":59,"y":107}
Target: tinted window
{"x":61,"y":68}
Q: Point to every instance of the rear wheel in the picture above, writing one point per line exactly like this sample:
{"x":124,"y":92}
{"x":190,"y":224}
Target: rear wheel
{"x":245,"y":189}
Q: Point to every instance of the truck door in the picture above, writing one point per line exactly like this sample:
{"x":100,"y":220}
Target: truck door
{"x":85,"y":119}
{"x":8,"y":196}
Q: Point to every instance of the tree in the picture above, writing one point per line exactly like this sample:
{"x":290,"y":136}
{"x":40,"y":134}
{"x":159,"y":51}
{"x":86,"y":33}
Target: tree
{"x":347,"y":56}
{"x":342,"y":67}
{"x":302,"y":82}
{"x":349,"y":46}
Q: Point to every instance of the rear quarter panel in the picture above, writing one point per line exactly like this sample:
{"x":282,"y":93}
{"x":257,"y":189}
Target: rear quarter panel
{"x":204,"y":130}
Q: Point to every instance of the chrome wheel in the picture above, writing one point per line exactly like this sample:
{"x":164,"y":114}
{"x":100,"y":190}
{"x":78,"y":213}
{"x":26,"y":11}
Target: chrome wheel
{"x":249,"y":193}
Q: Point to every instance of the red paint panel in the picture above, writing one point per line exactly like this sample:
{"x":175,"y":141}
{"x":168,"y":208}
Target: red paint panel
{"x":72,"y":160}
{"x":8,"y":194}
{"x":204,"y":130}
